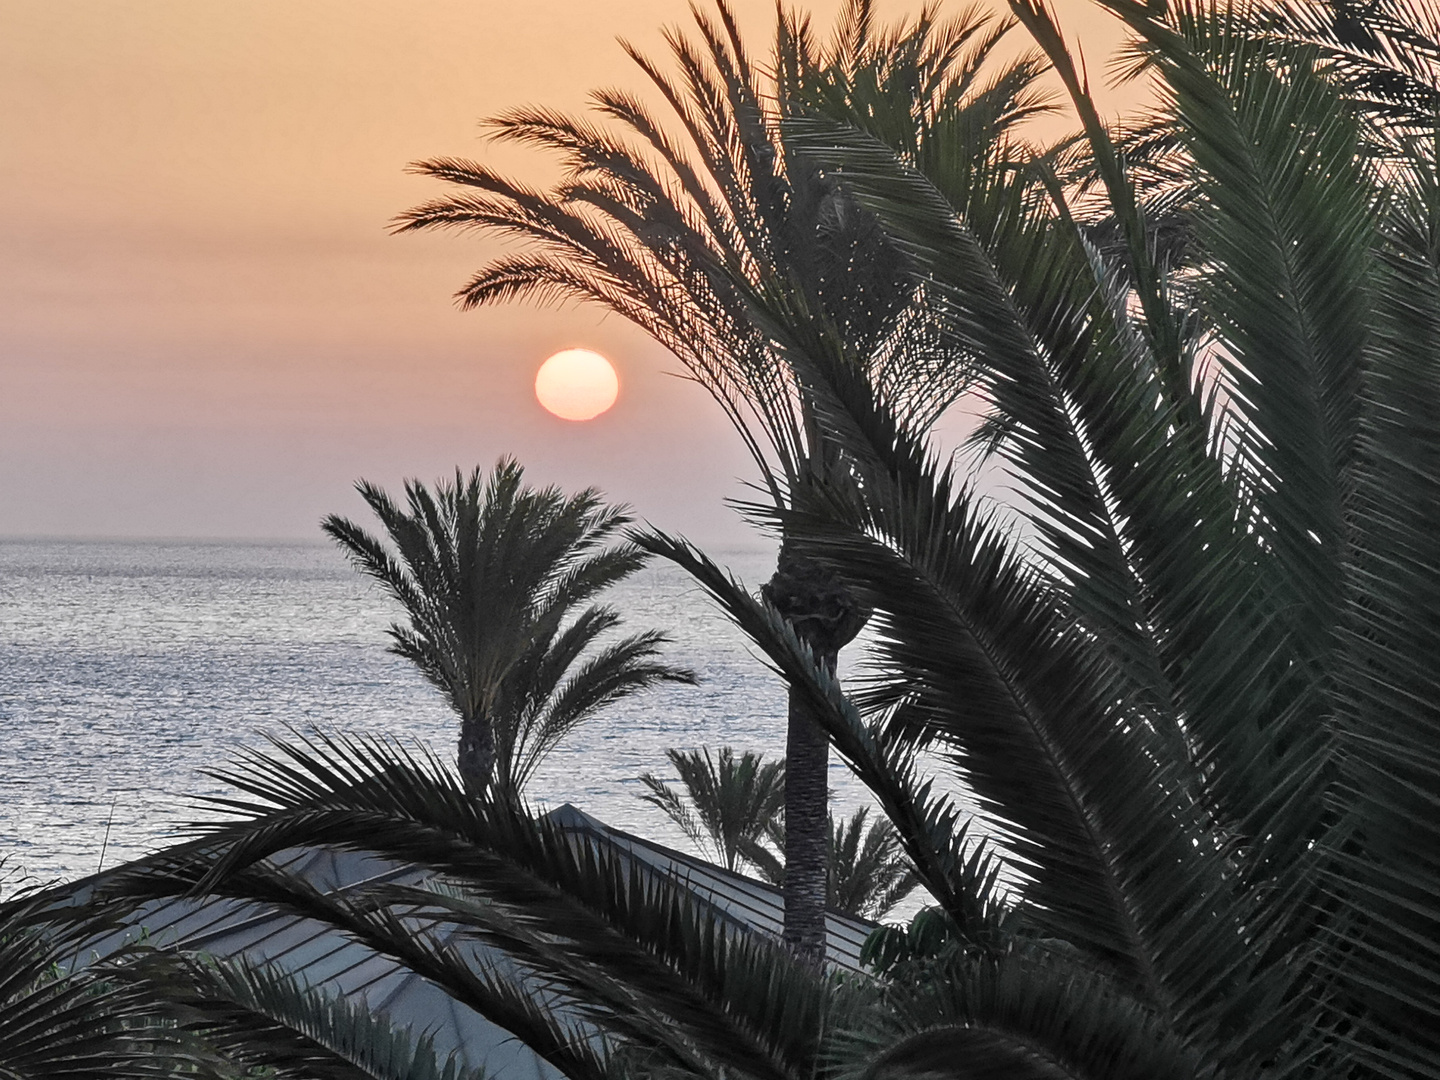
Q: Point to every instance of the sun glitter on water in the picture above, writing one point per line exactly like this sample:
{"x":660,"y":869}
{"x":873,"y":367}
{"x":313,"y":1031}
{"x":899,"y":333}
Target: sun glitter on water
{"x":577,"y":384}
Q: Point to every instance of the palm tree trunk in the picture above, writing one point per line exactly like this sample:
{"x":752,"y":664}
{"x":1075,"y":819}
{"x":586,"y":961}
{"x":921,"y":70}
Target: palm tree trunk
{"x":477,"y":753}
{"x":807,"y":825}
{"x":825,"y":615}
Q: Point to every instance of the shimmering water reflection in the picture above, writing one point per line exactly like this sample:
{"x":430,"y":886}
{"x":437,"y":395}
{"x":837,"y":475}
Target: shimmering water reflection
{"x":129,"y":669}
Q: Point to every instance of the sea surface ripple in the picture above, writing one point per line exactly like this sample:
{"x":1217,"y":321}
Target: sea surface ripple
{"x":131,"y":670}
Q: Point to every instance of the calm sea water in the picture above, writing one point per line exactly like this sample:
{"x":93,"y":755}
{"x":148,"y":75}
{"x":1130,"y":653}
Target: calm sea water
{"x":127,"y":670}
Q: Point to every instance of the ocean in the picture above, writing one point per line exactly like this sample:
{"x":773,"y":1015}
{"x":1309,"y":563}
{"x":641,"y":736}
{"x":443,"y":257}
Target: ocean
{"x":129,"y":670}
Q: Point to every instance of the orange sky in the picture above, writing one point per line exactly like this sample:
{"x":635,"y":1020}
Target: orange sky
{"x":205,"y":329}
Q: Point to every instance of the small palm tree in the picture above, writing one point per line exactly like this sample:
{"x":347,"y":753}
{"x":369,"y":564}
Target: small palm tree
{"x":869,"y":873}
{"x":734,"y":808}
{"x":490,"y":573}
{"x":730,"y":806}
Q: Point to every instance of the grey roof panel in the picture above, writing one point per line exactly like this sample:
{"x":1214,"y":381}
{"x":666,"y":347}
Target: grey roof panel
{"x":322,"y":956}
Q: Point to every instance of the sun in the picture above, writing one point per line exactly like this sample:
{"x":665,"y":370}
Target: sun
{"x":577,"y":384}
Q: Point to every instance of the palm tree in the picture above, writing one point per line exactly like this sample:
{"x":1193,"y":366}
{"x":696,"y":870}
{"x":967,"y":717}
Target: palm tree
{"x":735,"y":809}
{"x":1203,"y":718}
{"x":675,"y":229}
{"x":491,"y":574}
{"x":869,"y":874}
{"x":729,"y":807}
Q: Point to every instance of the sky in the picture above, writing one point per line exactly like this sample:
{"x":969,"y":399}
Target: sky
{"x":206,"y":329}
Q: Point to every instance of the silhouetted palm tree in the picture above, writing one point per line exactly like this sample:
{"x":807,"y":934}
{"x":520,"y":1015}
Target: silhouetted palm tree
{"x":729,"y":805}
{"x":869,"y":873}
{"x":676,"y":228}
{"x":492,"y":576}
{"x":735,"y":809}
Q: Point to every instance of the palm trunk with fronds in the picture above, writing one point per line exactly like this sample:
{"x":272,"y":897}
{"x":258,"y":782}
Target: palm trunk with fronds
{"x":825,"y":616}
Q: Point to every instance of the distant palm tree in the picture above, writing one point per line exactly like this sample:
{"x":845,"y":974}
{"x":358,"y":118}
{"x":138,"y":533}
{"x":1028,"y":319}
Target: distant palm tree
{"x":735,"y":809}
{"x":728,"y":807}
{"x":869,"y":873}
{"x":490,"y":574}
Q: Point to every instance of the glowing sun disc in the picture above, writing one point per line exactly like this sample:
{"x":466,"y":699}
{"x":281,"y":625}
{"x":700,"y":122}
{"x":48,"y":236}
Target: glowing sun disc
{"x":577,"y":384}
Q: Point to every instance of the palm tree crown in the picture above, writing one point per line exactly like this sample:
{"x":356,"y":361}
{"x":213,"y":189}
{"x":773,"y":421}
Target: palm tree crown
{"x":491,"y":574}
{"x":674,"y":229}
{"x":729,"y":804}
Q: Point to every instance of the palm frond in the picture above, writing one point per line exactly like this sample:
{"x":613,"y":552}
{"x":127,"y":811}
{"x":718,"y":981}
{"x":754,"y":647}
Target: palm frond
{"x":258,"y":1018}
{"x":61,"y":1017}
{"x":626,"y":947}
{"x":1023,"y":1016}
{"x":1389,"y":951}
{"x":957,"y":874}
